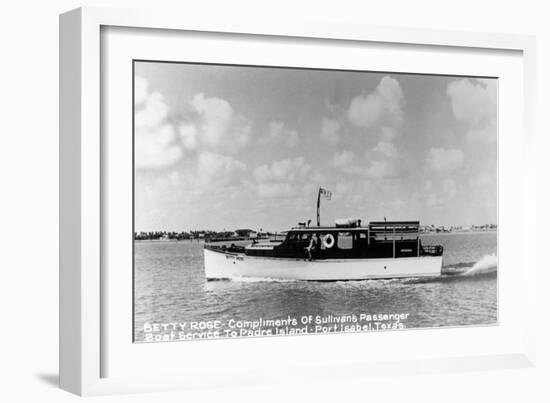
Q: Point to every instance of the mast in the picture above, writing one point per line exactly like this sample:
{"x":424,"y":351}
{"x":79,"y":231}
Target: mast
{"x":319,"y":207}
{"x":328,"y":195}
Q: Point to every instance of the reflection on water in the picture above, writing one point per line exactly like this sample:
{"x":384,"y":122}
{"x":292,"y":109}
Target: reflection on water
{"x":170,"y":286}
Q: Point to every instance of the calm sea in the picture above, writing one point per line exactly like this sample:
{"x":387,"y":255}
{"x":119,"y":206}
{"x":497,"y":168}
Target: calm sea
{"x":169,"y":286}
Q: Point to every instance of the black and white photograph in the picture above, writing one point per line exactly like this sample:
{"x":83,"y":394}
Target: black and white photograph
{"x":281,"y":201}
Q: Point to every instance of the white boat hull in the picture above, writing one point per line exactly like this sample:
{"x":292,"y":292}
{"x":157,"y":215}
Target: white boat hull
{"x":223,"y":265}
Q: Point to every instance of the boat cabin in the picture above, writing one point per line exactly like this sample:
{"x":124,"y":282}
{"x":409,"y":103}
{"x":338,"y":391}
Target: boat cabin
{"x":380,"y":239}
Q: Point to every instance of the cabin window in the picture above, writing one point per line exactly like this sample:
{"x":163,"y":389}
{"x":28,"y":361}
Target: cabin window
{"x":360,"y":239}
{"x":345,"y":240}
{"x":292,"y":239}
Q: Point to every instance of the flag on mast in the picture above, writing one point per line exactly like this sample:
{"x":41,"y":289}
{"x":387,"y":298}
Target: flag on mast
{"x":326,"y":193}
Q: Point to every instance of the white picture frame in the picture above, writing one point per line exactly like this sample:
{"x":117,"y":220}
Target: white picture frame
{"x":82,"y":307}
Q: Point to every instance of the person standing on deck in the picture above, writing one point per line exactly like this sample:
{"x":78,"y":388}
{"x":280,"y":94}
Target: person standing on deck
{"x":312,"y":246}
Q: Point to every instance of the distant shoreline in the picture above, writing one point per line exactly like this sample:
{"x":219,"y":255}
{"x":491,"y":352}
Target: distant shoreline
{"x":170,"y":240}
{"x":458,"y":233}
{"x":421,"y":234}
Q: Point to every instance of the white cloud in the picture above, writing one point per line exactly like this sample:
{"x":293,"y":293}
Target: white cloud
{"x":376,"y":169}
{"x":293,"y":196}
{"x":380,"y":108}
{"x":381,"y":169}
{"x":483,"y":180}
{"x":215,"y":117}
{"x":450,"y":188}
{"x":276,"y":190}
{"x":141,"y":89}
{"x":214,"y":126}
{"x":432,"y":197}
{"x":189,"y":136}
{"x":218,"y":170}
{"x":475,"y":103}
{"x":152,"y":113}
{"x":433,"y":201}
{"x":330,"y":131}
{"x":342,"y":189}
{"x":280,"y":134}
{"x":379,"y":163}
{"x":484,"y":134}
{"x":155,"y":140}
{"x":388,"y":133}
{"x":208,"y":173}
{"x":342,"y":159}
{"x":444,"y":160}
{"x":282,"y":179}
{"x":388,"y":149}
{"x":318,"y":177}
{"x":447,"y":191}
{"x":284,"y":170}
{"x":155,"y":148}
{"x":473,"y":100}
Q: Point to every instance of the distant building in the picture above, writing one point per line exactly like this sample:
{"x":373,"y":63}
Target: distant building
{"x":245,"y":233}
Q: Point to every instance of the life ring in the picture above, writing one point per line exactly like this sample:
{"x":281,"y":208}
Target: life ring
{"x":328,"y":241}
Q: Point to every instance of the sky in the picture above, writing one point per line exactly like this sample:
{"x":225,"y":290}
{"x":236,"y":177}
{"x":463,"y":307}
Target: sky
{"x":224,"y":147}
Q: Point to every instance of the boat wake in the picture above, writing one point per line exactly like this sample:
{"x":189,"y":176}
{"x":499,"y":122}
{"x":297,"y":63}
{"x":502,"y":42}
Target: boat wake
{"x":486,"y":265}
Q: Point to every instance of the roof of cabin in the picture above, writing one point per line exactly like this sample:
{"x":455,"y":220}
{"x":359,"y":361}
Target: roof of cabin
{"x":394,"y":223}
{"x":379,"y":225}
{"x":326,"y":228}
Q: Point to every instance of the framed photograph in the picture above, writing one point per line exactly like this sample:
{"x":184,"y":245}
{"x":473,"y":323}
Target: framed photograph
{"x":247,"y":201}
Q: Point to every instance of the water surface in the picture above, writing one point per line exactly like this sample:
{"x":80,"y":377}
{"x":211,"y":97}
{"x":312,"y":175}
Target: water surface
{"x":170,"y":286}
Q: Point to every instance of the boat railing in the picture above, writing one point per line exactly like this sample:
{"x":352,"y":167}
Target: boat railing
{"x":431,"y":250}
{"x":226,"y":248}
{"x":225,"y":239}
